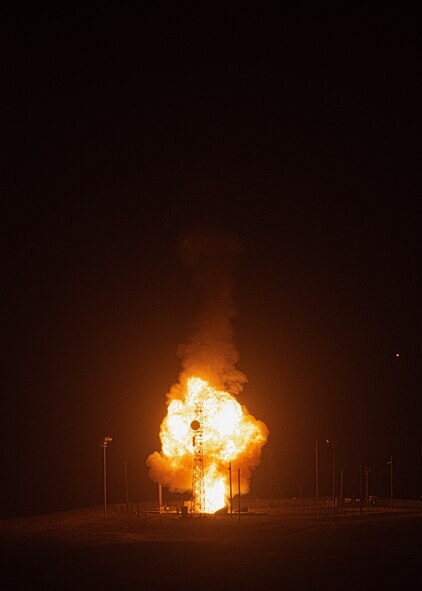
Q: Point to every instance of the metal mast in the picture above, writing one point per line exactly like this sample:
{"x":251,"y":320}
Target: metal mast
{"x":198,"y":486}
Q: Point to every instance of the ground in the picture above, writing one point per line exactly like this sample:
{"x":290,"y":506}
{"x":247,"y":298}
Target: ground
{"x":292,"y":550}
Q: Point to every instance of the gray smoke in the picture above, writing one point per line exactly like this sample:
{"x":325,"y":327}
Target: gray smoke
{"x":209,"y":352}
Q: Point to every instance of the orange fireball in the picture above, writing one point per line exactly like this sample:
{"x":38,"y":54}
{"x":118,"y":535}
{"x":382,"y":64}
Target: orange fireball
{"x":228,"y":434}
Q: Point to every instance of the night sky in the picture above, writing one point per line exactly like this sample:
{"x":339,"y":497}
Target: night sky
{"x":300,"y":137}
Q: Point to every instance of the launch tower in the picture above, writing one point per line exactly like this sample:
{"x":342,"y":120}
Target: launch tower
{"x":198,"y":485}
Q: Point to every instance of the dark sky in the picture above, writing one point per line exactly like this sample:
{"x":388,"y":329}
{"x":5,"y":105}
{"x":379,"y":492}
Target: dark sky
{"x":301,"y":137}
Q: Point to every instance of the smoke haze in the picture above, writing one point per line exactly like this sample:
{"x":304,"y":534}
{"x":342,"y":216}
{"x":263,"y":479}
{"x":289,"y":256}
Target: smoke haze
{"x":209,"y":350}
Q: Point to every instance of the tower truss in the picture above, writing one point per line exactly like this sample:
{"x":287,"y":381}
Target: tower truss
{"x":198,"y":481}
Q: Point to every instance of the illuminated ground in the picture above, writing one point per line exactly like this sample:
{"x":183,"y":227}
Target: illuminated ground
{"x":81,"y":550}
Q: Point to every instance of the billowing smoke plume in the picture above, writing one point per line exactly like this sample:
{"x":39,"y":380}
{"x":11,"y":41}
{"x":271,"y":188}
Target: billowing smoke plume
{"x":210,"y":350}
{"x":209,"y":353}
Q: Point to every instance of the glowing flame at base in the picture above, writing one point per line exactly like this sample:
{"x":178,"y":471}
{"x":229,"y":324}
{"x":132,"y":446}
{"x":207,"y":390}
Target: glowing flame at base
{"x":229,"y":434}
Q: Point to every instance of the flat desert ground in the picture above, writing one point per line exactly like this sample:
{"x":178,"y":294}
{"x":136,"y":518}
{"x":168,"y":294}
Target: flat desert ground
{"x":81,"y":550}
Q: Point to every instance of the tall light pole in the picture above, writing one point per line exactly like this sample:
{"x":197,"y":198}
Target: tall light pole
{"x":104,"y":444}
{"x":316,"y":471}
{"x":270,"y":470}
{"x":238,"y":488}
{"x":332,"y":443}
{"x":420,"y":470}
{"x":127,"y":489}
{"x":231,"y":490}
{"x":391,"y":481}
{"x":366,"y":472}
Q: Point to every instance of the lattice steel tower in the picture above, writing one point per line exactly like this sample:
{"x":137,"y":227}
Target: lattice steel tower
{"x":198,"y":485}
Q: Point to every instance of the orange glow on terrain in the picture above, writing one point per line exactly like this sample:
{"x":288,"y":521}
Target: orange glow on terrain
{"x":229,"y":432}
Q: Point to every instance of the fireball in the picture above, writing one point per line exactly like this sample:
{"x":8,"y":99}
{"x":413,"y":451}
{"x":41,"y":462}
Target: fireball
{"x":208,"y":426}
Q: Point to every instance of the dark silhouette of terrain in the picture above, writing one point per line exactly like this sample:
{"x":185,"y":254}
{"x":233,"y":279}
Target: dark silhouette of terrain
{"x":81,"y":550}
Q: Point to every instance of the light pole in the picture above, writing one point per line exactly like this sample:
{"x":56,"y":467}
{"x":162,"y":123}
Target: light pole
{"x":391,"y":481}
{"x":127,"y":489}
{"x":104,"y":444}
{"x":334,"y":475}
{"x":238,"y":488}
{"x":270,"y":470}
{"x":366,"y":472}
{"x":231,"y":490}
{"x":316,"y":471}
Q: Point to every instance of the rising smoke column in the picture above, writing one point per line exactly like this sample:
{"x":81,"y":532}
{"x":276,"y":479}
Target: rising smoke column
{"x":209,"y":353}
{"x":210,"y":350}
